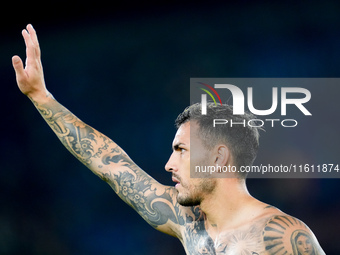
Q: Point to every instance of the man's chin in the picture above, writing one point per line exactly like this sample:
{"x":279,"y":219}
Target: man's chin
{"x":187,"y":201}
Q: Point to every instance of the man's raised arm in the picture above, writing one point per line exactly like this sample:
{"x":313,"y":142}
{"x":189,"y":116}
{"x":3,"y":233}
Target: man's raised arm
{"x":156,"y":203}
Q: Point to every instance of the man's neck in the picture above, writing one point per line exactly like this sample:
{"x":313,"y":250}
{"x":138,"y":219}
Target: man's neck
{"x":227,"y":206}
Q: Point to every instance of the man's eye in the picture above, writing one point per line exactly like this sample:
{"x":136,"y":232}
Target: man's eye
{"x":182,"y":150}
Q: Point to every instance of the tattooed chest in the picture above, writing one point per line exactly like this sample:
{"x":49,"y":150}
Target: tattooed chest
{"x":198,"y":242}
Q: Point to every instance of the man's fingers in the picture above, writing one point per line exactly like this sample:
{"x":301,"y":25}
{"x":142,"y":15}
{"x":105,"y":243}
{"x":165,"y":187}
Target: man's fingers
{"x":34,"y":38}
{"x":32,"y":33}
{"x":30,"y":52}
{"x":32,"y":47}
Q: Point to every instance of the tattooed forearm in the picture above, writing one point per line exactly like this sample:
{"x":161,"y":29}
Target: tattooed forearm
{"x":84,"y":142}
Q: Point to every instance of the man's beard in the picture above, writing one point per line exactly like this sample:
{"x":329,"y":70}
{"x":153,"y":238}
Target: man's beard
{"x":194,"y":194}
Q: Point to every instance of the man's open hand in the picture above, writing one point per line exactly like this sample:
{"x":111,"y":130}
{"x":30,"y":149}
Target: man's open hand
{"x":31,"y":78}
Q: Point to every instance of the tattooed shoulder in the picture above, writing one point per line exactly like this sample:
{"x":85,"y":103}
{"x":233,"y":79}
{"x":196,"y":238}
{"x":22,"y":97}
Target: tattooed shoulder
{"x":284,"y":234}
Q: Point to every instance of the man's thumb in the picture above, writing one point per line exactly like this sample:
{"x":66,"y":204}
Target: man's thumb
{"x":18,"y":66}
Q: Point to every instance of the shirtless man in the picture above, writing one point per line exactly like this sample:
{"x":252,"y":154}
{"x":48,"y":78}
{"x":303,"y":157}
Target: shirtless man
{"x":208,"y":215}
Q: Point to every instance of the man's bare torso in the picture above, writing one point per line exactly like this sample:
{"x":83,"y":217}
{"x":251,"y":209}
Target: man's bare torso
{"x":266,"y":234}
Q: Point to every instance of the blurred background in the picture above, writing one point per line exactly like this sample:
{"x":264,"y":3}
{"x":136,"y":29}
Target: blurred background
{"x":124,"y":68}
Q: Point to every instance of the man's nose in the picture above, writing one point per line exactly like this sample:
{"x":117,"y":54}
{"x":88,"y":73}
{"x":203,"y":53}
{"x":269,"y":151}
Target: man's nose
{"x":170,"y":166}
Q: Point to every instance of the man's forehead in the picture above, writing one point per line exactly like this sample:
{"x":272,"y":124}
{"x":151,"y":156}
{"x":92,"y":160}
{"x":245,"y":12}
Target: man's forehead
{"x":182,"y":135}
{"x":183,"y":132}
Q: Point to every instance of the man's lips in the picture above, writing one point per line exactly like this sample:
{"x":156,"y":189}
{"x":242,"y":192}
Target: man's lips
{"x":175,"y":179}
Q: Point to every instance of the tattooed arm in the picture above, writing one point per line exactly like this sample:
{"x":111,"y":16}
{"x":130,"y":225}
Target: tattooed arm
{"x":156,"y":203}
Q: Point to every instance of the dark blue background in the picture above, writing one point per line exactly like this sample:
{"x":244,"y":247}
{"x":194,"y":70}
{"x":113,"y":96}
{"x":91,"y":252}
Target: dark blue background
{"x":125,"y":70}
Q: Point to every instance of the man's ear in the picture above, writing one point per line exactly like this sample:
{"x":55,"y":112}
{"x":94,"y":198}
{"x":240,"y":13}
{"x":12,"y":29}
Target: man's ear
{"x":222,"y":155}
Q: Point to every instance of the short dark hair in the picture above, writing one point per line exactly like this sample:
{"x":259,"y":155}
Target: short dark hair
{"x":242,"y":140}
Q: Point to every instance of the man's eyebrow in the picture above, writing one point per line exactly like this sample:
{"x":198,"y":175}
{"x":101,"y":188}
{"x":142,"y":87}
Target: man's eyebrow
{"x":176,"y":146}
